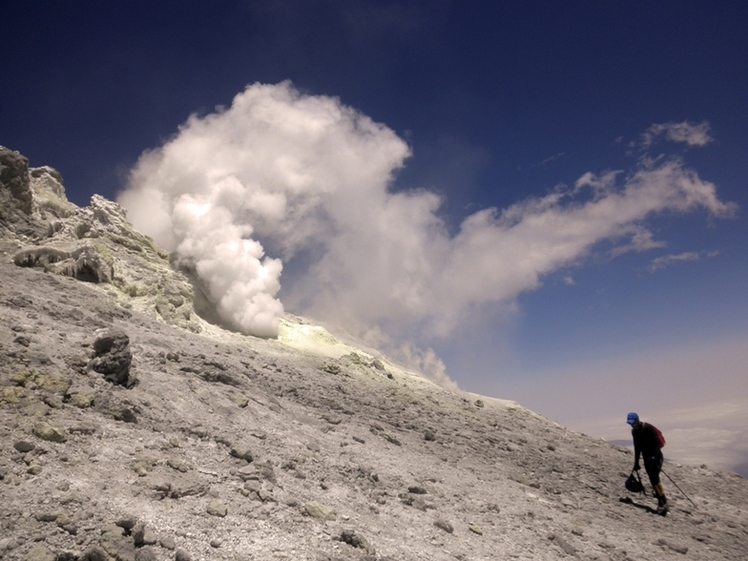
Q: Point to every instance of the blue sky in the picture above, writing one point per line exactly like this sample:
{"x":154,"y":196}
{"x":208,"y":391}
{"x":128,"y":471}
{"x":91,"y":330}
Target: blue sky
{"x":496,"y":104}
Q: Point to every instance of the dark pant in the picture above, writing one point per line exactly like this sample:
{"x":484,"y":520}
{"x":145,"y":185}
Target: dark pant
{"x":653,"y":465}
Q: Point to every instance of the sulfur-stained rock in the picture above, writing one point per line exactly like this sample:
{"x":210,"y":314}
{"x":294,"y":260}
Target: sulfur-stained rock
{"x":49,"y":433}
{"x":320,"y":512}
{"x":217,"y":509}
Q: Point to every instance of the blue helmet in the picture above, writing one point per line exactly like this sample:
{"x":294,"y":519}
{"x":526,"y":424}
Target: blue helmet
{"x":632,"y":418}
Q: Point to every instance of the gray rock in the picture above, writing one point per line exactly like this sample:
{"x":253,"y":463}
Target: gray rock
{"x":95,"y":553}
{"x":143,"y":535}
{"x":217,"y":509}
{"x":112,"y":355}
{"x":39,"y":553}
{"x":46,"y":516}
{"x":356,"y":540}
{"x":563,"y":544}
{"x":24,"y":446}
{"x":145,"y":554}
{"x":182,"y":555}
{"x":242,"y":452}
{"x":116,"y":544}
{"x":444,"y":525}
{"x":127,"y":523}
{"x":672,"y":545}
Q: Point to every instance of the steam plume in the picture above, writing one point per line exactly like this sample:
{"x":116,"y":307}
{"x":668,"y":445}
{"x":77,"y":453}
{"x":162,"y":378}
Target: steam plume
{"x":307,"y":180}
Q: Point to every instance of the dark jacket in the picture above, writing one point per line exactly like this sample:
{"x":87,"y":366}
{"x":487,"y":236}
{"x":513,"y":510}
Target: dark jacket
{"x":645,"y":442}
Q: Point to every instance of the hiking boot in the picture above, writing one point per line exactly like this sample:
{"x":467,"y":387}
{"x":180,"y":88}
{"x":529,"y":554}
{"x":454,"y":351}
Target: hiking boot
{"x":663,"y":507}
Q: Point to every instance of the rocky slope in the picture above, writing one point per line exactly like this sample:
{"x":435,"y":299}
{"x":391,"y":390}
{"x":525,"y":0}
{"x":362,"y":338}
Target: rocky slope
{"x":134,"y":428}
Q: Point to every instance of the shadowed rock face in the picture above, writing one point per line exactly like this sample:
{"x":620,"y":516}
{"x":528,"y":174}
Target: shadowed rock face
{"x":14,"y":175}
{"x":233,"y":447}
{"x":112,"y":356}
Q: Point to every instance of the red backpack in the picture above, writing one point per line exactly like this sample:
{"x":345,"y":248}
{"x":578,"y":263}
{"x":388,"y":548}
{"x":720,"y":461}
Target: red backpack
{"x":660,"y":438}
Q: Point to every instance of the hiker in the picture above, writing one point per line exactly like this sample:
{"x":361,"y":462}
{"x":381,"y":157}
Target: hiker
{"x":648,"y":442}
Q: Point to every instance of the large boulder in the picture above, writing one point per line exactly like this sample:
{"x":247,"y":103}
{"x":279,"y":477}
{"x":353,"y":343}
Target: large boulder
{"x":112,"y":356}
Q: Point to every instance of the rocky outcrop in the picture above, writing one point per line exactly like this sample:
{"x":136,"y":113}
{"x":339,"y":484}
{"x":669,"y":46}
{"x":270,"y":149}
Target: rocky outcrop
{"x":94,"y":244}
{"x":112,"y":356}
{"x":14,"y":177}
{"x":83,"y":263}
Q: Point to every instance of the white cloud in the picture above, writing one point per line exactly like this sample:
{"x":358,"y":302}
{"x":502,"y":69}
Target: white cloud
{"x":665,"y":260}
{"x":641,"y":240}
{"x":692,"y":134}
{"x":297,"y":175}
{"x":553,"y":158}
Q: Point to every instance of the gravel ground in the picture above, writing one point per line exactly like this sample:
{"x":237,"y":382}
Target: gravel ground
{"x":133,"y":428}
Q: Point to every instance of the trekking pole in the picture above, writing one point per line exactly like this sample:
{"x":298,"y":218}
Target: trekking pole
{"x":679,"y":489}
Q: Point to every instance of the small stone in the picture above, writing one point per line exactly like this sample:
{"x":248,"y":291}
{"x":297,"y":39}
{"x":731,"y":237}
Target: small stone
{"x":168,"y":543}
{"x":677,"y":547}
{"x":240,"y":401}
{"x":63,"y":520}
{"x":142,"y":535}
{"x":139,"y":468}
{"x":444,"y":525}
{"x":145,"y":554}
{"x":82,"y":400}
{"x":563,"y":544}
{"x":333,"y":419}
{"x":242,"y":453}
{"x":266,"y":497}
{"x":178,"y":465}
{"x":321,"y":512}
{"x":475,"y":529}
{"x":216,"y":543}
{"x":127,"y":523}
{"x":22,"y":340}
{"x":39,"y":553}
{"x":48,"y":432}
{"x":391,"y":439}
{"x":217,"y":509}
{"x":46,"y":516}
{"x":182,"y":555}
{"x":34,"y":469}
{"x":95,"y":553}
{"x":353,"y":539}
{"x":24,"y":446}
{"x":126,"y":415}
